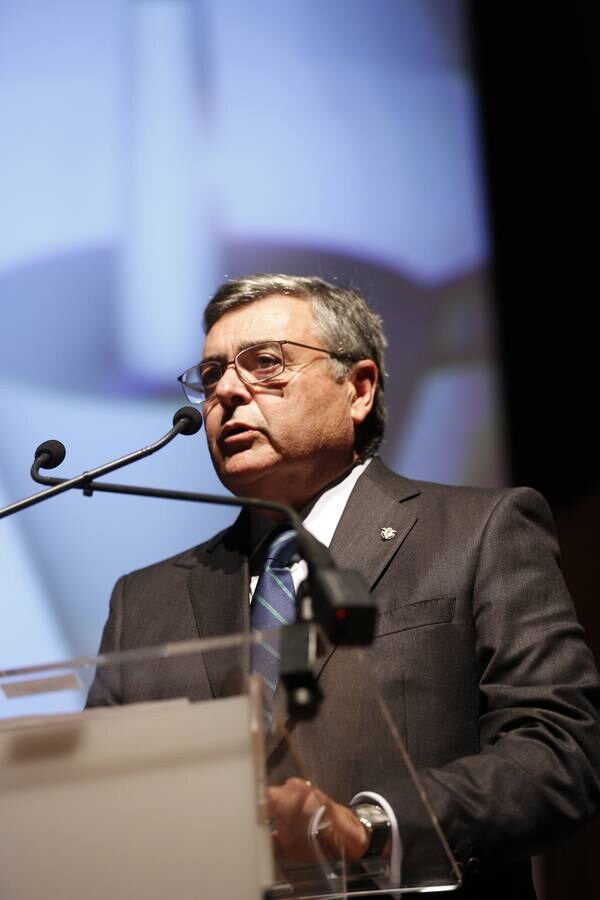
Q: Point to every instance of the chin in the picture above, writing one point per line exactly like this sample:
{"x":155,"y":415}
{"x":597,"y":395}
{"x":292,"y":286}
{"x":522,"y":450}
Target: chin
{"x":245,"y":476}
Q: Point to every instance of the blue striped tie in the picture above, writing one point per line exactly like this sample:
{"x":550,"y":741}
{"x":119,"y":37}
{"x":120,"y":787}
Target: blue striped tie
{"x":273,"y":605}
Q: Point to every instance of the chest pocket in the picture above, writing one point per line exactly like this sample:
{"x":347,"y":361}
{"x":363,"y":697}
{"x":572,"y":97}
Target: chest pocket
{"x":439,"y":610}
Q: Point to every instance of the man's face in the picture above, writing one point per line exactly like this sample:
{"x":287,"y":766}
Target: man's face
{"x":286,"y":439}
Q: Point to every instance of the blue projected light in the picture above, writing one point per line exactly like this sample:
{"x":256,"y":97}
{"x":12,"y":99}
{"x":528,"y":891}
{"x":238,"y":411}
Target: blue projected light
{"x":151,"y":151}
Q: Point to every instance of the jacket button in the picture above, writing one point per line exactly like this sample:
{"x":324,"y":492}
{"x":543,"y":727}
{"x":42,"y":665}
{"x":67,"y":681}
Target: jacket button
{"x":472,"y":865}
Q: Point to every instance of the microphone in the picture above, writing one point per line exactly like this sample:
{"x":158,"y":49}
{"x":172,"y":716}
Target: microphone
{"x":339,"y":600}
{"x":189,"y":416}
{"x":50,"y":454}
{"x":185,"y":421}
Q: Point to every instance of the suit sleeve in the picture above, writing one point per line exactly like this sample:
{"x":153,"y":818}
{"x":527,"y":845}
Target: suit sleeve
{"x":106,"y":686}
{"x":538,"y":770}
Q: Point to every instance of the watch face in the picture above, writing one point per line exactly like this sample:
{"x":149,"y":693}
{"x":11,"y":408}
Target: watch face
{"x":377,"y":824}
{"x":374,"y":814}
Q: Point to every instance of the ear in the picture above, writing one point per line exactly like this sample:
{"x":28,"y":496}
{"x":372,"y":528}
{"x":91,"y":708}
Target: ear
{"x":363,"y":377}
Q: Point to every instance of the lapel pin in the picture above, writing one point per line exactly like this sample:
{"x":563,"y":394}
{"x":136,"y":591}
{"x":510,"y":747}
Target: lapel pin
{"x":387,"y":533}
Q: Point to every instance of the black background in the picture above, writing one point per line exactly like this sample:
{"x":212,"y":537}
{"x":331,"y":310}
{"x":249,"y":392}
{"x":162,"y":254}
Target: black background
{"x":538,"y":69}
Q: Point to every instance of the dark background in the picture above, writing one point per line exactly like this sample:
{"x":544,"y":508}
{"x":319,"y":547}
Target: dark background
{"x":538,"y":66}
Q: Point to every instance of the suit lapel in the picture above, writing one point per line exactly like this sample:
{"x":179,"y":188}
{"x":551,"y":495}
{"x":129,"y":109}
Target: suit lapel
{"x":376,"y":503}
{"x":218,"y":588}
{"x":358,"y":542}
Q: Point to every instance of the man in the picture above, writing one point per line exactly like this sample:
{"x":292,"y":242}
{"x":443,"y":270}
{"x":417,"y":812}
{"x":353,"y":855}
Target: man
{"x":478,"y":652}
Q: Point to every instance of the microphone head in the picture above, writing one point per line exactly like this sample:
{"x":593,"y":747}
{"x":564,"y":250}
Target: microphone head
{"x":53,"y":452}
{"x":193,"y":417}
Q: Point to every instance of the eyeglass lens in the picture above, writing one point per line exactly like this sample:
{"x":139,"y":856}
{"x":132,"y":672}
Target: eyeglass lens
{"x":254,"y":364}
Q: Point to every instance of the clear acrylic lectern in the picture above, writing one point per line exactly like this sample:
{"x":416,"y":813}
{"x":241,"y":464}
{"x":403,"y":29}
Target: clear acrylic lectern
{"x":166,"y":789}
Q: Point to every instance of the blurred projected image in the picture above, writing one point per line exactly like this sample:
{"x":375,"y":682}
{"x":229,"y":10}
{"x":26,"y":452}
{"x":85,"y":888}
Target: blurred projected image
{"x":154,"y":149}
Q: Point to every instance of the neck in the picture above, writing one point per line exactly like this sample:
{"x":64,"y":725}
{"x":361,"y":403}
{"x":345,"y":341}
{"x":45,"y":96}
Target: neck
{"x":302,"y":499}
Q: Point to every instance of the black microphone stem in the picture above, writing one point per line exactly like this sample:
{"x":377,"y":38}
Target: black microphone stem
{"x":81,"y":481}
{"x":311,"y":548}
{"x":339,"y":600}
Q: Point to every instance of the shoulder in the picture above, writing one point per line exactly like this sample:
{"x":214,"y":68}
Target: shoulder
{"x":175,"y":569}
{"x":457,"y":500}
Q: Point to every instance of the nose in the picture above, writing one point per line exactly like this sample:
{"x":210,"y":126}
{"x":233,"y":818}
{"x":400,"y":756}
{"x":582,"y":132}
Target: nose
{"x":230,"y":389}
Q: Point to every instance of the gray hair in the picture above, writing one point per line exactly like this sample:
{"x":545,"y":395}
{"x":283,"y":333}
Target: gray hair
{"x":343,"y":321}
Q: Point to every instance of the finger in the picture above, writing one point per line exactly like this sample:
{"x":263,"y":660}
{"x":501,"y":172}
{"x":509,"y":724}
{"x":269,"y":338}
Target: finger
{"x":287,"y":801}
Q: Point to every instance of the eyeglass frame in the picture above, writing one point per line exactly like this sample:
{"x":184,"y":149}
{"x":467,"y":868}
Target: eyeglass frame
{"x":339,"y":355}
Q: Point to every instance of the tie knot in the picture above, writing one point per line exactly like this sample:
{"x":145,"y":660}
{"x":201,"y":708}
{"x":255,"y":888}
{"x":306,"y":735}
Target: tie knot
{"x":282,"y":547}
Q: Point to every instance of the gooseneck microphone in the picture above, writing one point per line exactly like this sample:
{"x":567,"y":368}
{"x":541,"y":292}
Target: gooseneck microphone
{"x":50,"y":454}
{"x":339,"y":600}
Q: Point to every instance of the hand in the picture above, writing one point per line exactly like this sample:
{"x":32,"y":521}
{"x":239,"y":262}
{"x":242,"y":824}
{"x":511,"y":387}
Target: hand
{"x":292,"y":808}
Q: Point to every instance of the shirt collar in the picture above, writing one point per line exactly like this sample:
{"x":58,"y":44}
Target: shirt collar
{"x":321,"y":517}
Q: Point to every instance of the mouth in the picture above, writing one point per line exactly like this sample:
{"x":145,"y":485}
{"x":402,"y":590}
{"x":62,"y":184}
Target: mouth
{"x":234,"y":433}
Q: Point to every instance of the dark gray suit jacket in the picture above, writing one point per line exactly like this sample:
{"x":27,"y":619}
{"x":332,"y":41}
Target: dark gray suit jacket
{"x":478,"y":655}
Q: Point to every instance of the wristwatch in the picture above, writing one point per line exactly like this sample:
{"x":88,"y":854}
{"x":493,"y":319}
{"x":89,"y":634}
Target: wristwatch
{"x":378,"y":826}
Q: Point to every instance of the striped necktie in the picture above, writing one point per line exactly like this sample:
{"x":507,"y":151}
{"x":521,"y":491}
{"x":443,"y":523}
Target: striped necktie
{"x":273,"y":605}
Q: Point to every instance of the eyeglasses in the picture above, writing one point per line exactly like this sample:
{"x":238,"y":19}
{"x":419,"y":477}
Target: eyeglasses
{"x":254,"y":365}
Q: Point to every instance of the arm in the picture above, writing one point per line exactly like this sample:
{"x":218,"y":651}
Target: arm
{"x":538,"y":771}
{"x":106,"y":686}
{"x":536,"y":774}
